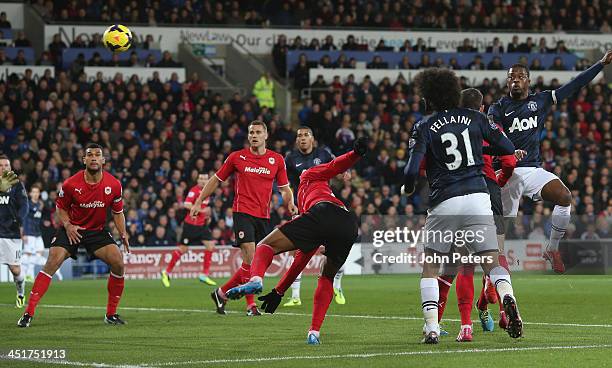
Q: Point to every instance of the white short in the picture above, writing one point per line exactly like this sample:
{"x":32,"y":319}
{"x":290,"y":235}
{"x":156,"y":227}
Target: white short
{"x":10,"y":251}
{"x":527,"y":182}
{"x":33,"y":244}
{"x":458,"y":217}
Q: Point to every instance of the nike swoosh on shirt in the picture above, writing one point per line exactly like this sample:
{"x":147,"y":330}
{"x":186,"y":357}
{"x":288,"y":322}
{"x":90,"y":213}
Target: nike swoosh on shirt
{"x":298,"y":165}
{"x":509,"y":113}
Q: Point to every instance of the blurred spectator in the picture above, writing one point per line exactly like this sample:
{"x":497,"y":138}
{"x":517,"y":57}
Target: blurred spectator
{"x":21,"y":40}
{"x":467,"y":46}
{"x":496,"y":47}
{"x":557,"y":64}
{"x":263,"y":90}
{"x":4,"y":23}
{"x":514,"y":45}
{"x":167,"y":61}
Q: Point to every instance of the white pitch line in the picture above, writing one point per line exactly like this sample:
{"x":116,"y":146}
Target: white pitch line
{"x":358,"y":316}
{"x":375,"y":355}
{"x":309,"y":357}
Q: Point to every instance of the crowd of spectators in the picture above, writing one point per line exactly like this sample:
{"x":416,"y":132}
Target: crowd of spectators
{"x":157,"y":136}
{"x":546,"y":15}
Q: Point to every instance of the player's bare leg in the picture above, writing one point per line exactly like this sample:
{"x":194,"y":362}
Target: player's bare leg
{"x":556,"y":192}
{"x":57,"y":256}
{"x":112,"y":256}
{"x":500,"y":277}
{"x":19,"y":277}
{"x":430,"y":294}
{"x":204,"y":276}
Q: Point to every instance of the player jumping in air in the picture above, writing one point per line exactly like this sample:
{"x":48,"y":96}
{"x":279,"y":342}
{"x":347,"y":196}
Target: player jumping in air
{"x":451,"y":140}
{"x":305,"y":156}
{"x":195,"y":232}
{"x":323,"y":220}
{"x":255,"y":169}
{"x":471,"y":98}
{"x":522,"y":115}
{"x":13,"y":210}
{"x":81,"y":207}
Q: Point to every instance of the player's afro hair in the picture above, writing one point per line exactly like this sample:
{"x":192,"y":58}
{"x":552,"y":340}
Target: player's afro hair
{"x":440,"y":88}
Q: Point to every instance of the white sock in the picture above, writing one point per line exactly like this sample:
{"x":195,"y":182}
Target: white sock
{"x":316,"y":333}
{"x":501,"y":279}
{"x":560,"y":219}
{"x":429,"y":301}
{"x":295,"y":287}
{"x":20,"y":283}
{"x":338,"y":278}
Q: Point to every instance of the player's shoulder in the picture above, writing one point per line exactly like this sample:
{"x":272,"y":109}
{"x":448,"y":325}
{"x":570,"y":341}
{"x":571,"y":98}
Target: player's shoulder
{"x":194,"y":189}
{"x":275,"y":155}
{"x":110,"y":179}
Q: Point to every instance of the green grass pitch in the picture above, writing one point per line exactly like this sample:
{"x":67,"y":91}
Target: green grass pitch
{"x":568,"y":322}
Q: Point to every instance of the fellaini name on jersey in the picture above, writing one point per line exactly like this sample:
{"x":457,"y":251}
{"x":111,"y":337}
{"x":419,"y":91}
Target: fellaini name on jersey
{"x":257,"y":170}
{"x":524,"y":124}
{"x":94,"y":204}
{"x":459,"y":119}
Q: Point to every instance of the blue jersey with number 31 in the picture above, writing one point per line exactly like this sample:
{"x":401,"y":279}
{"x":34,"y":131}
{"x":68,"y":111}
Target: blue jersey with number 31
{"x":451,"y":141}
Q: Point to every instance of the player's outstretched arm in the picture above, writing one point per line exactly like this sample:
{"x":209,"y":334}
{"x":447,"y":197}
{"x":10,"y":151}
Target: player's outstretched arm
{"x":581,"y":79}
{"x":119,"y":219}
{"x":340,"y":164}
{"x":287,"y":194}
{"x":209,"y":188}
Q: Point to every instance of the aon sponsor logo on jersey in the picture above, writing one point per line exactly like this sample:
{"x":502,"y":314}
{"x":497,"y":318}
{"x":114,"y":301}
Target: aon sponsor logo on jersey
{"x":524,"y":124}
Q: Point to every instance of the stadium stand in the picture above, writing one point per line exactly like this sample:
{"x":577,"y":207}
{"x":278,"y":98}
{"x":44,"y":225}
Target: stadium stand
{"x":545,"y":16}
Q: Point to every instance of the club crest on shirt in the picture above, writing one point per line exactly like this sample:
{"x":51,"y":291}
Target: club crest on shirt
{"x":316,"y":161}
{"x":271,"y":160}
{"x":411,"y":143}
{"x":107,"y":190}
{"x":532,"y":106}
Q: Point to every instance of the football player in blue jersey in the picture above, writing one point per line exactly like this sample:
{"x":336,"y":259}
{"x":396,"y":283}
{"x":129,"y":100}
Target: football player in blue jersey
{"x":522,"y":115}
{"x":451,"y":141}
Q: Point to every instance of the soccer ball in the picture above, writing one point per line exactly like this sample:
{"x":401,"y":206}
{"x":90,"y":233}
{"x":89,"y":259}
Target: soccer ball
{"x":117,"y":38}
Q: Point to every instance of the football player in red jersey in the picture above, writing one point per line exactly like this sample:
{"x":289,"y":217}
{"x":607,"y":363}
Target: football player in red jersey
{"x":195,"y":232}
{"x":81,"y":207}
{"x":255,"y":169}
{"x":323,"y":220}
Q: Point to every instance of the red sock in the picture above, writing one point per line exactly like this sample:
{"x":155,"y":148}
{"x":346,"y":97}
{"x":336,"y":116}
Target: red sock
{"x":482,"y":299}
{"x":503,"y":262}
{"x":322,"y":297}
{"x":245,"y":276}
{"x":300,"y":260}
{"x":115,"y":290}
{"x":207,"y":259}
{"x":465,"y":292}
{"x":176,"y":255}
{"x":262,"y":260}
{"x":444,"y":284}
{"x":41,"y":284}
{"x":234,"y":281}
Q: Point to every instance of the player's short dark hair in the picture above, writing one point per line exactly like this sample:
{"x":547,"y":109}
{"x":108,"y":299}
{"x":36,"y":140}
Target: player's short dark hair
{"x":258,"y":122}
{"x":471,"y":98}
{"x":92,"y":146}
{"x":522,"y":66}
{"x":440,"y":88}
{"x":304,"y":127}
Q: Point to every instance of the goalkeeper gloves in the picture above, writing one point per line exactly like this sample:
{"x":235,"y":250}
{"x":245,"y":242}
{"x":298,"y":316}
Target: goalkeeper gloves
{"x":7,"y":180}
{"x":270,"y":301}
{"x":361,"y":146}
